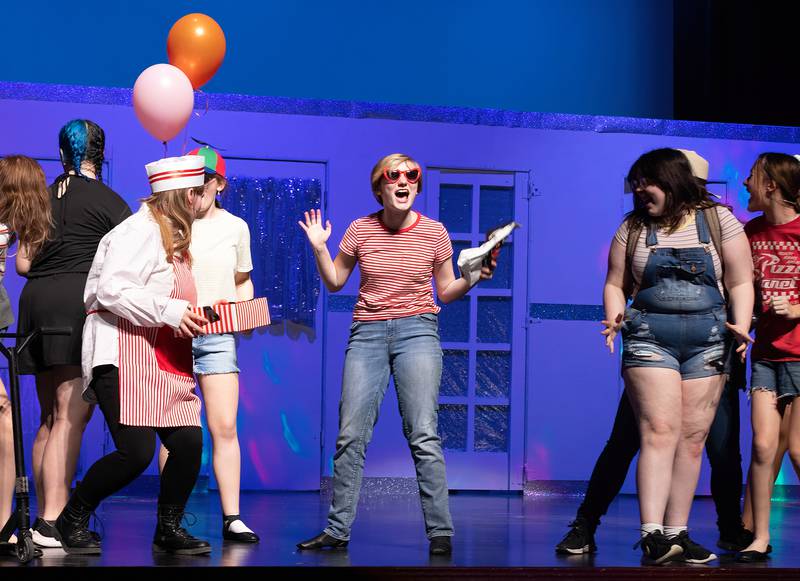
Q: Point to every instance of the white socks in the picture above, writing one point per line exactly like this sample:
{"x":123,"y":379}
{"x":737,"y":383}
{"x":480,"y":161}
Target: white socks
{"x":238,"y":526}
{"x":672,"y":532}
{"x":651,"y":527}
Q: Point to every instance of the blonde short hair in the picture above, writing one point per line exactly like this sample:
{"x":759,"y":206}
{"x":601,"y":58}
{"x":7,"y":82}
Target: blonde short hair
{"x":391,"y":161}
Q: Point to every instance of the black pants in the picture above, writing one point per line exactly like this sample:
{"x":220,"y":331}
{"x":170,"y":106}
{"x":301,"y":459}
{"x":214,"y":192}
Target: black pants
{"x":722,"y":447}
{"x":135,"y":449}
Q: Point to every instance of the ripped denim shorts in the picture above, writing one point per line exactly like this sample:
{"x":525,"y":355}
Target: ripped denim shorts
{"x":694,"y":345}
{"x":780,"y":377}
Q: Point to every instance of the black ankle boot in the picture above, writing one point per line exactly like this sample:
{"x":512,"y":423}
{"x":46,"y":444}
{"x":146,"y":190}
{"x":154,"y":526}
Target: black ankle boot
{"x":170,"y":537}
{"x":72,"y":528}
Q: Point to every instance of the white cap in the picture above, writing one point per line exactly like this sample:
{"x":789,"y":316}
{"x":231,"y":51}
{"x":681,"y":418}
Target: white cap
{"x":698,"y":164}
{"x":174,"y":173}
{"x":797,"y":157}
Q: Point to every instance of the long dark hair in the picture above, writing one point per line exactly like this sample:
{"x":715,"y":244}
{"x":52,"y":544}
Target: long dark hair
{"x":82,"y":140}
{"x":669,"y":170}
{"x":784,"y":170}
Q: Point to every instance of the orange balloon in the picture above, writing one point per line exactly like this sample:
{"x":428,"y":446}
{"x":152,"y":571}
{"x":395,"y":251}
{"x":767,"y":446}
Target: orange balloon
{"x":196,"y":45}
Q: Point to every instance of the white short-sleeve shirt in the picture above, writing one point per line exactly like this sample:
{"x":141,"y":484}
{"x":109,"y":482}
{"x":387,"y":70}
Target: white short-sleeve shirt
{"x":220,"y":248}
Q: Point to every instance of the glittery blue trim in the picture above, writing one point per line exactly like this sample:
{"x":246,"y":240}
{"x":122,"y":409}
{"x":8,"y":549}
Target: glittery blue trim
{"x":341,"y":303}
{"x":438,"y":114}
{"x":556,"y":312}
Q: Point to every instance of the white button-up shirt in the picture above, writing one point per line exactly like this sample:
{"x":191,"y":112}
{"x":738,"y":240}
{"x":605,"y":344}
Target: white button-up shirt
{"x":130,"y":278}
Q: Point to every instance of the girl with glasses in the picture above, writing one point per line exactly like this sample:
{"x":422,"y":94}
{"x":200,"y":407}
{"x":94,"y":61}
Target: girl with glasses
{"x":394,"y":333}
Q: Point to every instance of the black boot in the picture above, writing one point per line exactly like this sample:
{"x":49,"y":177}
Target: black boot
{"x":170,"y":537}
{"x":72,"y":528}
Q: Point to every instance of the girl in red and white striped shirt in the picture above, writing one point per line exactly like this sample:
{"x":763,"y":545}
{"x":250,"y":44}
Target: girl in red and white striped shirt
{"x":395,"y":332}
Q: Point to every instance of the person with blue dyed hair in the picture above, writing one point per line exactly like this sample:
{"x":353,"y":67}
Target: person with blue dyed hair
{"x":84,"y":210}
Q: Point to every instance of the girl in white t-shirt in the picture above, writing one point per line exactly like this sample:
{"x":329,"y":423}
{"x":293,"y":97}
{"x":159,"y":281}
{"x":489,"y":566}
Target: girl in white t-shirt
{"x":221,"y":266}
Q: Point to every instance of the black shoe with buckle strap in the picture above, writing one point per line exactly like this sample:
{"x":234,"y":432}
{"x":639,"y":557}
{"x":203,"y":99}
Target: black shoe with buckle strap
{"x":322,"y":541}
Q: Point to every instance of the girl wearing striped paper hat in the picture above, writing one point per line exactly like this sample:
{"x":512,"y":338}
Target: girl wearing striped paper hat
{"x":137,"y":358}
{"x":221,"y":266}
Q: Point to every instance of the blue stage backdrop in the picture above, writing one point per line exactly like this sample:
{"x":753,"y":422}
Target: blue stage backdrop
{"x":610,"y":57}
{"x":529,"y":391}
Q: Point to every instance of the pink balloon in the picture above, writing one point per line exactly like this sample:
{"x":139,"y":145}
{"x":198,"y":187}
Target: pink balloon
{"x":163,"y":100}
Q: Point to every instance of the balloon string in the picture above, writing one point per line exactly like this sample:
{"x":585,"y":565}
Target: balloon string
{"x":185,"y":139}
{"x":164,"y":143}
{"x":205,"y":109}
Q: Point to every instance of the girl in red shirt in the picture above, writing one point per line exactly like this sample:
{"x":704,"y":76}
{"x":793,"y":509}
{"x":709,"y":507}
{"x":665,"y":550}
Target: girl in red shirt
{"x":774,"y":185}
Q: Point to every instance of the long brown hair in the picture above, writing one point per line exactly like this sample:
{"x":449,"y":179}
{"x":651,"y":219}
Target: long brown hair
{"x":25,"y":201}
{"x":174,"y":217}
{"x":669,"y":169}
{"x":784,"y":170}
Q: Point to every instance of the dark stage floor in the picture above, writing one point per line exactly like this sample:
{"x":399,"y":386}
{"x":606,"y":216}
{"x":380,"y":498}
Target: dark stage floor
{"x":493,"y":533}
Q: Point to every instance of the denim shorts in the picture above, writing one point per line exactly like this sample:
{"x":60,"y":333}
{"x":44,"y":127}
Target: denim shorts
{"x":214,"y":354}
{"x":694,"y":345}
{"x":780,"y":377}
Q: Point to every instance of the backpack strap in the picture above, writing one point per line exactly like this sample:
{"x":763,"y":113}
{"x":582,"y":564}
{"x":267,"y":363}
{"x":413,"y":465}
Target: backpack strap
{"x":714,"y":229}
{"x":634,"y":233}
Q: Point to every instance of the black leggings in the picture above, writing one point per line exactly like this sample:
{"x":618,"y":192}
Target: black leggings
{"x":722,"y":447}
{"x":135,"y":448}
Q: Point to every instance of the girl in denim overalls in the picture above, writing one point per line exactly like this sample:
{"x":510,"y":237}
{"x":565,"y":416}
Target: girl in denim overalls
{"x":676,"y":337}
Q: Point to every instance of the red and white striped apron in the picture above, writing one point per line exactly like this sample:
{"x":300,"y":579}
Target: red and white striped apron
{"x":156,"y":384}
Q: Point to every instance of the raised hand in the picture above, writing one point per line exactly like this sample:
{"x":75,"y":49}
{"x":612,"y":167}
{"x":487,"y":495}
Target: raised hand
{"x":317,"y":235}
{"x":611,"y":330}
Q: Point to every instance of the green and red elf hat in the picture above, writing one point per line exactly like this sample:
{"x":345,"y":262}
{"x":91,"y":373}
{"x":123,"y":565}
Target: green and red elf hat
{"x":214,"y":162}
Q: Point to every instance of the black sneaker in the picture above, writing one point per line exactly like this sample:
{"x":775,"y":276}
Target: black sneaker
{"x":692,"y":552}
{"x":579,"y":540}
{"x":735,"y":540}
{"x":658,"y":549}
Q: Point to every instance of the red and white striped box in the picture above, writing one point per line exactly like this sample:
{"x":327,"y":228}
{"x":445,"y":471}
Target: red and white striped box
{"x":235,"y":317}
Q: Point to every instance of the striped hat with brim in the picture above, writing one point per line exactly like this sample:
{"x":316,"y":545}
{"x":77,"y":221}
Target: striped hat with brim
{"x":174,"y":173}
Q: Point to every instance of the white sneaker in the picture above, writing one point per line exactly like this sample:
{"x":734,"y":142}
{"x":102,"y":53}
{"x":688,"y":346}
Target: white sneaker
{"x":44,"y":535}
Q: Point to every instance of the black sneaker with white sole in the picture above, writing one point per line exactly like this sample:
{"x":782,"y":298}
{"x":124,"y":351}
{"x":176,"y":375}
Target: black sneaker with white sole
{"x":692,"y":551}
{"x":658,"y":549}
{"x":579,"y":540}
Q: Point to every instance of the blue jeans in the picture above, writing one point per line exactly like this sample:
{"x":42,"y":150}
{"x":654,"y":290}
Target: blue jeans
{"x":407,"y":348}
